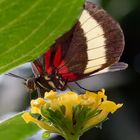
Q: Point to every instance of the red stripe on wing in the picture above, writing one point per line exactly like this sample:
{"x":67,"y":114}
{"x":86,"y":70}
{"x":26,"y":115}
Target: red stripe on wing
{"x":48,"y":67}
{"x":54,"y":60}
{"x":64,"y":71}
{"x":39,"y":67}
{"x":57,"y":57}
{"x":69,"y":77}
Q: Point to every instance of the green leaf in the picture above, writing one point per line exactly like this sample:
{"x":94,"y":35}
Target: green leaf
{"x":29,"y":27}
{"x":15,"y":128}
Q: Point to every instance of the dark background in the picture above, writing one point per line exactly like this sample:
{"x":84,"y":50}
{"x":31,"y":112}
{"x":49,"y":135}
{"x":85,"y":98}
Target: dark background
{"x":125,"y":124}
{"x":121,"y":87}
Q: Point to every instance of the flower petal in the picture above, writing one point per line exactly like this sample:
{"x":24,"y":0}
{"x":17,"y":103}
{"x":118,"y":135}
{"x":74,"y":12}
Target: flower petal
{"x":50,"y":95}
{"x":106,"y":107}
{"x":69,"y":100}
{"x":28,"y":118}
{"x":36,"y":105}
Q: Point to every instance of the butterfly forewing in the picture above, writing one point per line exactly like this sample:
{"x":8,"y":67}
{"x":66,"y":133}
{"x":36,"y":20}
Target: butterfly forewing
{"x":95,"y":42}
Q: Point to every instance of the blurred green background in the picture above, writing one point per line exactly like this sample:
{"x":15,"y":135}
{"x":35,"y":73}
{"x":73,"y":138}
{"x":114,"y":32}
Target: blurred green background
{"x":122,"y":87}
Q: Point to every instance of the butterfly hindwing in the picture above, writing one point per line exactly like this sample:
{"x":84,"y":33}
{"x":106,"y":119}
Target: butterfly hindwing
{"x":115,"y":67}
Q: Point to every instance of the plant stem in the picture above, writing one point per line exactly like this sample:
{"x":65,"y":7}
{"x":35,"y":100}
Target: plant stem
{"x":72,"y":137}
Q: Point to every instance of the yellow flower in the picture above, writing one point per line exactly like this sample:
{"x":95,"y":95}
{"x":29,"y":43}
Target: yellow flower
{"x":68,"y":100}
{"x":36,"y":105}
{"x":106,"y":107}
{"x":28,"y":118}
{"x":70,"y":113}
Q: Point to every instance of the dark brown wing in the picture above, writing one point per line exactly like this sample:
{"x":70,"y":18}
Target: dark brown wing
{"x":94,"y":43}
{"x":97,"y":43}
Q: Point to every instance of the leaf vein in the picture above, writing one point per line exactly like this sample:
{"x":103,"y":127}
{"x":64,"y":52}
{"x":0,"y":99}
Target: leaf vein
{"x":20,"y":16}
{"x":8,"y":6}
{"x":30,"y":35}
{"x":37,"y":45}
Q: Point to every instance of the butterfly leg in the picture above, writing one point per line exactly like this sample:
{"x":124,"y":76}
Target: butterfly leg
{"x":69,"y":88}
{"x":30,"y":96}
{"x":38,"y":92}
{"x":64,"y":86}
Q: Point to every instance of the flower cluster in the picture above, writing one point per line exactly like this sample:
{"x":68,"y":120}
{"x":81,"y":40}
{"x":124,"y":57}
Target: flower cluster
{"x":70,"y":114}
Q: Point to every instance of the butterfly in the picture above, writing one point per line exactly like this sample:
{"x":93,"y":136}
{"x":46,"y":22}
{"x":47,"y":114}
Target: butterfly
{"x":94,"y":45}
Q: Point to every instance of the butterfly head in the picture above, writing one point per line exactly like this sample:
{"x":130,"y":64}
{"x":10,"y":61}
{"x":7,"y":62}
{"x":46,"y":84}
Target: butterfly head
{"x":31,"y":84}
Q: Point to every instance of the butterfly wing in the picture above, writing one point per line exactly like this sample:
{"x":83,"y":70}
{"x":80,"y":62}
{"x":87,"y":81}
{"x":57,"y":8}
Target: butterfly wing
{"x":97,"y":43}
{"x":115,"y":67}
{"x":54,"y":57}
{"x":93,"y":44}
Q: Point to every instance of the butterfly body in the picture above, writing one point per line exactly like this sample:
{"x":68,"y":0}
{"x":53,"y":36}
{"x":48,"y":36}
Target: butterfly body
{"x":94,"y":44}
{"x":45,"y":83}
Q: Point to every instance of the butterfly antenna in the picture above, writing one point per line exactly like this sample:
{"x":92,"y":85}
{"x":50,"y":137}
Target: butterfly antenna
{"x":16,"y":76}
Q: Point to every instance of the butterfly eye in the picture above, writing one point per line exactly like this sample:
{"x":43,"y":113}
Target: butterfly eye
{"x":31,"y":84}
